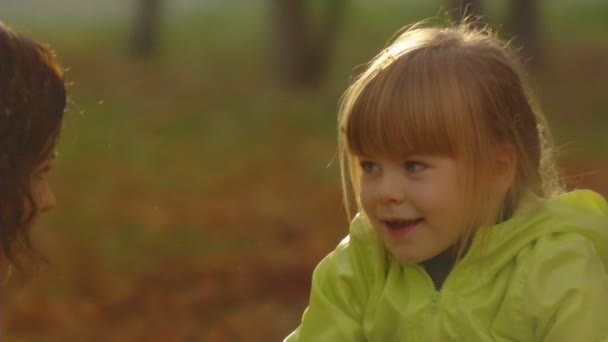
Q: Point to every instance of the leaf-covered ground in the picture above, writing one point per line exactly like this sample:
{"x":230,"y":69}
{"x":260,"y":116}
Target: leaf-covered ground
{"x":196,"y":194}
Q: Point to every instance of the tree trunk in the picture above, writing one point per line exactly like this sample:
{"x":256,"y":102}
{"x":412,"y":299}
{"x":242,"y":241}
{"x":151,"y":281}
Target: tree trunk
{"x":145,"y":36}
{"x":462,"y":9}
{"x":524,"y":25}
{"x":302,"y":55}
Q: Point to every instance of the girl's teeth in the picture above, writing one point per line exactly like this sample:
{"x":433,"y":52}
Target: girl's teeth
{"x":402,"y":223}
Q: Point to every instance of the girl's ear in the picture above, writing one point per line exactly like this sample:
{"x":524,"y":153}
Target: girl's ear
{"x":504,"y":166}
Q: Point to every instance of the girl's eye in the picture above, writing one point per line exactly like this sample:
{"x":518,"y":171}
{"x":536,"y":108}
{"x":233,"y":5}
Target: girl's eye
{"x":414,"y":166}
{"x":368,"y":166}
{"x":42,"y":174}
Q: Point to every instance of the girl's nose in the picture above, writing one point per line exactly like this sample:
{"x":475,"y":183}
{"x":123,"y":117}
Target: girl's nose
{"x":393,"y":187}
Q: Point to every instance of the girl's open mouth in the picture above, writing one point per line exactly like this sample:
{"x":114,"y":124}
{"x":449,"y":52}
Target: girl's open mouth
{"x":402,"y":226}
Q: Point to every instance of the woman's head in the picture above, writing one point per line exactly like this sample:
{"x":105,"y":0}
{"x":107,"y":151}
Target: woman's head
{"x":455,"y":92}
{"x":32,"y":102}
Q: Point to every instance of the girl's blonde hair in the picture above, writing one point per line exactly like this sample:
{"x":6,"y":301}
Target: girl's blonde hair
{"x":458,"y":91}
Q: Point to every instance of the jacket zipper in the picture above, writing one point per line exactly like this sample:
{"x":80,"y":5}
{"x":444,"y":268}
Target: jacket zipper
{"x":436,"y":296}
{"x":436,"y":301}
{"x":435,"y":315}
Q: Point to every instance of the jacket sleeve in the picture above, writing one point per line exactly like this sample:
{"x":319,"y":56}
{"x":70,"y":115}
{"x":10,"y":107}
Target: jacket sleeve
{"x":339,"y":292}
{"x":566,"y":291}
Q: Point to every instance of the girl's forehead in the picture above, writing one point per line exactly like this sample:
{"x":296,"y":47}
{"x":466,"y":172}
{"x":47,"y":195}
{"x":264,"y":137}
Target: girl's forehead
{"x":398,"y":141}
{"x":393,"y":123}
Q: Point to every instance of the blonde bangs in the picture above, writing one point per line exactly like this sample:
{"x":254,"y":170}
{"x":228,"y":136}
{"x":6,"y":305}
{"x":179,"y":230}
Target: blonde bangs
{"x":409,"y":107}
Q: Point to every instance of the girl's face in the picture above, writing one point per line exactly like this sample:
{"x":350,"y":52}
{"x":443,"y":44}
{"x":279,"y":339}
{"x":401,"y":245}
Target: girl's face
{"x":40,"y":189}
{"x":416,"y":204}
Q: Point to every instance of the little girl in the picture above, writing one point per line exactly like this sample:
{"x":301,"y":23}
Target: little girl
{"x":32,"y":102}
{"x":462,"y":233}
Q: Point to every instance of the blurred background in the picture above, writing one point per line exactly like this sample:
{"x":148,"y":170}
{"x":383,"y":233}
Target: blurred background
{"x":196,"y":181}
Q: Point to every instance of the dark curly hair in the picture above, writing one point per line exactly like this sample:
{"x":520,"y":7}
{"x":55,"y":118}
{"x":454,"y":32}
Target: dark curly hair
{"x":32,"y":102}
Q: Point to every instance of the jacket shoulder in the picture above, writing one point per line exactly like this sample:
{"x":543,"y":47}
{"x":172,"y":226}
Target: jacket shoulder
{"x":564,"y":287}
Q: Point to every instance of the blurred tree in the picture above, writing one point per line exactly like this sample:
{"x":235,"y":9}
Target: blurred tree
{"x":302,"y":48}
{"x":145,"y":35}
{"x":524,"y":25}
{"x":464,"y":8}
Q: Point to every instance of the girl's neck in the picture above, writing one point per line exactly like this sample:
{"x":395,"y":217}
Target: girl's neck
{"x":440,"y":266}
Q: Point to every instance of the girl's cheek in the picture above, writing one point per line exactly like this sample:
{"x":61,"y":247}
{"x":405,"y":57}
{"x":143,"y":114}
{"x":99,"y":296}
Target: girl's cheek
{"x":365,"y":196}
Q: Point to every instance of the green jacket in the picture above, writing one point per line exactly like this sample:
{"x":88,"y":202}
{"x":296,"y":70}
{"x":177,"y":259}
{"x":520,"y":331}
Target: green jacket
{"x":540,"y":276}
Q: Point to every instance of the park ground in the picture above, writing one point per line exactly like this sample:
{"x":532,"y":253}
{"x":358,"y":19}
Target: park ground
{"x":196,"y":193}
